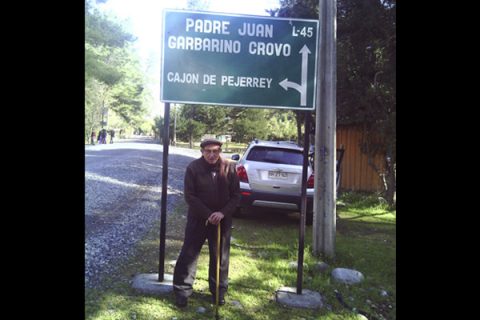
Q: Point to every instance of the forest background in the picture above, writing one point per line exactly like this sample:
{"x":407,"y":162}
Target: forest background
{"x":118,"y":95}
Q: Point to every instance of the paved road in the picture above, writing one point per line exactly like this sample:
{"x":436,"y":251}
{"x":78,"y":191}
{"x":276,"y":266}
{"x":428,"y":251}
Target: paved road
{"x":122,"y":198}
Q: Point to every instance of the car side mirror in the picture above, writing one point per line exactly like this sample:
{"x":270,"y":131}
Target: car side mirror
{"x":235,"y":157}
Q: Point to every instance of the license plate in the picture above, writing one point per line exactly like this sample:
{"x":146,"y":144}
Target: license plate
{"x":277,"y":175}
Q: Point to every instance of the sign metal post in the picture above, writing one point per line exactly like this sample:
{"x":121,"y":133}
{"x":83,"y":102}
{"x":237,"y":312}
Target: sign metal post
{"x":163,"y":206}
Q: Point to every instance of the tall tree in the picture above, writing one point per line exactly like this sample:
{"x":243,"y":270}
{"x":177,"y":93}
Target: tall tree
{"x":249,"y":123}
{"x":214,"y":118}
{"x":198,"y":4}
{"x":113,"y":77}
{"x":366,"y":73}
{"x":127,"y":93}
{"x":281,"y":125}
{"x":190,"y":126}
{"x":366,"y":76}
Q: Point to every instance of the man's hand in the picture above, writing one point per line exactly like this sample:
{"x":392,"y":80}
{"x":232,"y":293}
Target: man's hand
{"x":215,"y":218}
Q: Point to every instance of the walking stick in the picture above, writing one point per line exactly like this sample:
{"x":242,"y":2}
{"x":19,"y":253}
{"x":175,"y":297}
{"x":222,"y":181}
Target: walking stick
{"x":217,"y":278}
{"x":217,"y":282}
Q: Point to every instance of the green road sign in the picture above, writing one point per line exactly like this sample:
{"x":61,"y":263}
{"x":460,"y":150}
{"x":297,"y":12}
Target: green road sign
{"x":234,"y":60}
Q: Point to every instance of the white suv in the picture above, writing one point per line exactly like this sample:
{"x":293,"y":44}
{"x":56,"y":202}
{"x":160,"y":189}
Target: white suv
{"x":270,"y":175}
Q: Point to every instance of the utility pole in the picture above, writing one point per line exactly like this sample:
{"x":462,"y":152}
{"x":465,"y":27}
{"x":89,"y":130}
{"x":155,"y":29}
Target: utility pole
{"x":324,"y":203}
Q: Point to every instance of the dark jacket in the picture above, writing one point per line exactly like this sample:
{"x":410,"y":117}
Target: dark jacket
{"x":205,"y":194}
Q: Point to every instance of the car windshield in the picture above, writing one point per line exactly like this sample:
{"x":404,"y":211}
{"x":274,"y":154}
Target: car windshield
{"x":276,"y":155}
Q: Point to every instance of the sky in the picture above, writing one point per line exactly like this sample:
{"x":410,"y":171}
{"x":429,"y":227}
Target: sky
{"x":143,"y":18}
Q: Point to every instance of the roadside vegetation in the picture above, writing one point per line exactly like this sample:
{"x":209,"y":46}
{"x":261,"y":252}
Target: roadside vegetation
{"x":264,"y":246}
{"x":228,"y":147}
{"x":119,"y":93}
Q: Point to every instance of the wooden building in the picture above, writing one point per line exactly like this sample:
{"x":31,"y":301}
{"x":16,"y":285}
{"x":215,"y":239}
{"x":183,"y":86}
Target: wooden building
{"x":357,"y":174}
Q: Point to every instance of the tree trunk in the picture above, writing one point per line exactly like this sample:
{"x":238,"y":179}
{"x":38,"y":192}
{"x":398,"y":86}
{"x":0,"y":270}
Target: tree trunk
{"x":299,"y":127}
{"x":390,"y":181}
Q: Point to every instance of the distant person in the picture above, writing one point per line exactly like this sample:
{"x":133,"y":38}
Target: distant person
{"x":103,"y":138}
{"x":93,"y":137}
{"x":112,"y":134}
{"x":212,"y":192}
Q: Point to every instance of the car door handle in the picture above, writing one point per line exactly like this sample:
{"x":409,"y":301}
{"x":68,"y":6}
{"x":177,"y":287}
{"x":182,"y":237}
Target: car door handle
{"x":276,"y":187}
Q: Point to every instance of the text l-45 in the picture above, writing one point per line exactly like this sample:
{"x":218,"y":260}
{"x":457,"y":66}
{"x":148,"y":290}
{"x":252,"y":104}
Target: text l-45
{"x":304,"y":32}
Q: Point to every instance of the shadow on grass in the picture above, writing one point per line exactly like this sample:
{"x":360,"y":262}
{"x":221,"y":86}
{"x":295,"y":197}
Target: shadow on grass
{"x":263,"y":247}
{"x":355,"y":228}
{"x":361,"y":216}
{"x":270,"y":217}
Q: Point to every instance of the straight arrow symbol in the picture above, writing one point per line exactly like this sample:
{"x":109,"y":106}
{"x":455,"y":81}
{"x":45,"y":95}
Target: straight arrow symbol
{"x":305,"y":52}
{"x":285,"y":84}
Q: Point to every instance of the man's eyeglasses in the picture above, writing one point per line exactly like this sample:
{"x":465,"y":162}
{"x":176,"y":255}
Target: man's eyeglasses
{"x":216,"y":151}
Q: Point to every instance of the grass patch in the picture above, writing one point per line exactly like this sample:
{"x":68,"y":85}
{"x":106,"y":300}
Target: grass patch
{"x":263,"y":246}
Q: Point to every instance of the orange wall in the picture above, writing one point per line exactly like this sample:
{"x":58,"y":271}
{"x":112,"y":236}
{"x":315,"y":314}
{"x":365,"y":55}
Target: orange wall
{"x":357,"y":175}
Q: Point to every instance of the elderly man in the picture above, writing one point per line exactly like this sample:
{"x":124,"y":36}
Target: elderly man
{"x":212,"y":192}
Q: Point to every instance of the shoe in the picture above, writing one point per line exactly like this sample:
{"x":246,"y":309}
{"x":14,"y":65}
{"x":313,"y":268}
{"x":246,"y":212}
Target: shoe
{"x":181,"y":302}
{"x":221,"y":300}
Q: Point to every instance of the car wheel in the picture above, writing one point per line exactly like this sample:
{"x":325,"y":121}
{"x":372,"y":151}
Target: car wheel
{"x":239,"y":213}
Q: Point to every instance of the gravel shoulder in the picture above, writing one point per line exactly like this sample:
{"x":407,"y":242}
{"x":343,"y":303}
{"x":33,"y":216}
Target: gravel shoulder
{"x":122,"y":199}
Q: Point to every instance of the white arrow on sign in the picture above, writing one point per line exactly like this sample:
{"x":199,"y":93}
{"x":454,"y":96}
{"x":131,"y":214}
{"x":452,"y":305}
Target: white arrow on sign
{"x":285,"y":84}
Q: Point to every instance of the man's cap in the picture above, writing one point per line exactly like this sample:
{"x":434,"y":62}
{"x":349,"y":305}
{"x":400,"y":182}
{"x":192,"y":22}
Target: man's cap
{"x":207,"y":142}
